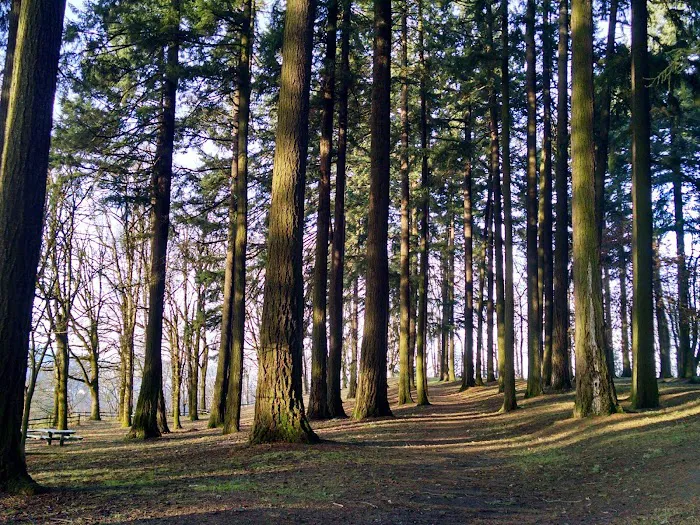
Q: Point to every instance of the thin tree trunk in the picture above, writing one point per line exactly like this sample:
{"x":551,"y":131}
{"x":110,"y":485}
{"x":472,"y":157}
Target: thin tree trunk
{"x":422,"y":328}
{"x":482,"y":279}
{"x":23,"y":174}
{"x":661,"y":320}
{"x":146,"y":422}
{"x":609,"y":354}
{"x":354,"y":342}
{"x":279,"y":407}
{"x":318,"y":396}
{"x":509,"y":402}
{"x":490,"y":375}
{"x":405,"y":282}
{"x":335,"y":297}
{"x":232,"y":413}
{"x":203,"y":376}
{"x":451,"y":296}
{"x":561,"y":380}
{"x":622,"y":261}
{"x":372,"y":386}
{"x":62,"y":365}
{"x":545,"y":255}
{"x":534,"y":312}
{"x":468,"y":357}
{"x":595,"y":393}
{"x":645,"y":391}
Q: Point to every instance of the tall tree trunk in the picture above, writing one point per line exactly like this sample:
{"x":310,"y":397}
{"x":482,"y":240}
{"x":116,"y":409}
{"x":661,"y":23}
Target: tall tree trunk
{"x":482,"y":281}
{"x":444,"y":315}
{"x":405,"y":282}
{"x":509,"y":402}
{"x":661,"y":320}
{"x":23,"y":173}
{"x":372,"y":387}
{"x":645,"y":391}
{"x":193,"y":358}
{"x":146,"y":422}
{"x":686,"y":359}
{"x":560,"y":301}
{"x":279,"y":407}
{"x":546,"y":270}
{"x":422,"y":328}
{"x":534,"y":312}
{"x":232,"y":413}
{"x":203,"y":376}
{"x":595,"y":393}
{"x":451,"y":295}
{"x":318,"y":396}
{"x":622,"y":261}
{"x":335,"y":294}
{"x":468,"y":357}
{"x":354,"y":342}
{"x":490,"y":375}
{"x":217,"y":413}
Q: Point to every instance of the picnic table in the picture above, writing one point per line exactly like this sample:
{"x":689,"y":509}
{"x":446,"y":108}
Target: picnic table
{"x":49,"y":434}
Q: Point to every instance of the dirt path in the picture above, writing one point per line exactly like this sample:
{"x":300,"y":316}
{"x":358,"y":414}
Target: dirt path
{"x":457,"y":461}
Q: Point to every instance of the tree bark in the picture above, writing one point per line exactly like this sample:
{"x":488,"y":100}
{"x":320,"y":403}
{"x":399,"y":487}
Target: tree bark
{"x":232,"y":413}
{"x":335,"y":297}
{"x":560,"y":307}
{"x":468,"y":357}
{"x":662,"y":330}
{"x":645,"y":391}
{"x":545,"y":254}
{"x":279,"y":407}
{"x":595,"y":394}
{"x":372,"y":386}
{"x":624,"y":317}
{"x":405,"y":263}
{"x":146,"y":421}
{"x":12,"y":26}
{"x":509,"y":402}
{"x":318,"y":396}
{"x":354,"y":318}
{"x":23,"y":173}
{"x":534,"y":319}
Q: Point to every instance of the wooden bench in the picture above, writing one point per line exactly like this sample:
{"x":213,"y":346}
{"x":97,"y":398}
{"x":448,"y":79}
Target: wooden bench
{"x":50,"y":434}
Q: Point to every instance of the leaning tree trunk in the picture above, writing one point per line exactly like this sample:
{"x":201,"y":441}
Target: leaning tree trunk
{"x":279,"y":407}
{"x":335,"y":293}
{"x":232,"y":412}
{"x":645,"y":391}
{"x":12,"y":26}
{"x":372,"y":387}
{"x":405,"y":263}
{"x":534,"y":319}
{"x":595,"y":394}
{"x":23,"y":173}
{"x":147,"y":423}
{"x":509,"y":402}
{"x":560,"y":314}
{"x":318,"y":396}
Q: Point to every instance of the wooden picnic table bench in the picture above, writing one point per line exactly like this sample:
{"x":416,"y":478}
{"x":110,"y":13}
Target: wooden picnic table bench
{"x":49,"y":434}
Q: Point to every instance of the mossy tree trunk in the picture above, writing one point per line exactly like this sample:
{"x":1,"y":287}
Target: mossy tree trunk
{"x":147,"y":422}
{"x":23,"y":174}
{"x":595,"y":394}
{"x":335,"y":294}
{"x":372,"y":386}
{"x":645,"y":391}
{"x":279,"y":407}
{"x":232,"y":413}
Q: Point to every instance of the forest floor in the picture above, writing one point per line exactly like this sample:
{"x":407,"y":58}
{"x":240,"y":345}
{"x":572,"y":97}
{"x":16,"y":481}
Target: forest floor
{"x":456,"y":461}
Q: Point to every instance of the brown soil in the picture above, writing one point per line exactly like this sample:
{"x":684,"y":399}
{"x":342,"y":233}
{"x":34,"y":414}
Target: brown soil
{"x":456,"y":461}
